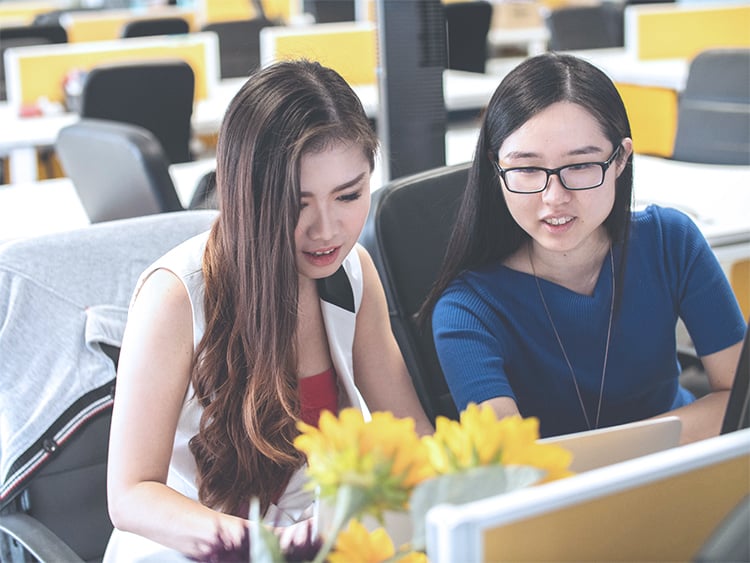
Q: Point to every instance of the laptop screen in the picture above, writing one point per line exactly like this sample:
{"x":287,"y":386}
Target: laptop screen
{"x":737,"y":415}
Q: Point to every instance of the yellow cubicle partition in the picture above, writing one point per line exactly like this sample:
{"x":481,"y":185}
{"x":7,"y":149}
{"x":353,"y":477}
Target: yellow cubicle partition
{"x":660,"y":507}
{"x":23,"y":12}
{"x":664,"y":31}
{"x":653,"y":117}
{"x":349,"y":47}
{"x":226,"y":10}
{"x":38,"y":71}
{"x":105,"y":25}
{"x":672,"y":31}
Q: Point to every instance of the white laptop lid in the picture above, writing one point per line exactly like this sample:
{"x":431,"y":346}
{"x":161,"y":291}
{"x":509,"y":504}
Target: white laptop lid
{"x":604,"y":446}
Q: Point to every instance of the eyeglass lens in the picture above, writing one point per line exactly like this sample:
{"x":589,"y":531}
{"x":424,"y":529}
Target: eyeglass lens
{"x":574,"y":177}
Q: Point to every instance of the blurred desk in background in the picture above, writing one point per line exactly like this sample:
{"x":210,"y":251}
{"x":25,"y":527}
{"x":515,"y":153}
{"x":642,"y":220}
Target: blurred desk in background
{"x":20,"y":137}
{"x":51,"y":206}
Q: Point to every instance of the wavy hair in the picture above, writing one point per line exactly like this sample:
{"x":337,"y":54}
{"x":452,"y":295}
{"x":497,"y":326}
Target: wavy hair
{"x":244,"y":372}
{"x":485,"y":231}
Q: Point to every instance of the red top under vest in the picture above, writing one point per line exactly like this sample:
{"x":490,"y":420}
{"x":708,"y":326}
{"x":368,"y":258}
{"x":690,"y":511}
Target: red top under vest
{"x":316,"y":394}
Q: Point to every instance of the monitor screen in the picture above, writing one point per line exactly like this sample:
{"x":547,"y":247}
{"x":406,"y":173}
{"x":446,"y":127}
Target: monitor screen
{"x":737,"y":415}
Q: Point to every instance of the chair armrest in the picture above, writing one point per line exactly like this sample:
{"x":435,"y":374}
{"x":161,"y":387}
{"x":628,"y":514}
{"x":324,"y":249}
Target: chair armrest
{"x":37,"y":539}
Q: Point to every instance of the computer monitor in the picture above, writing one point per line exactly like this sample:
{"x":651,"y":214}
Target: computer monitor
{"x":737,"y":415}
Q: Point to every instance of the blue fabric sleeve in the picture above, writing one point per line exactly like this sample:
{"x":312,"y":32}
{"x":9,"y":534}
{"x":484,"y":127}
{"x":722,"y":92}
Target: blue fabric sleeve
{"x":470,"y":354}
{"x":706,"y":301}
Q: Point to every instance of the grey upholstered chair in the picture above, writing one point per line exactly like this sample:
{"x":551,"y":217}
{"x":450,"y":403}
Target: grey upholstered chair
{"x":713,"y":118}
{"x":63,"y":306}
{"x":119,"y":170}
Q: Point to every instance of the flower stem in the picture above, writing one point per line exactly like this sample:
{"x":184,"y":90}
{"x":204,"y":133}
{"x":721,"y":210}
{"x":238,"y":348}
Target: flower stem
{"x":349,"y":500}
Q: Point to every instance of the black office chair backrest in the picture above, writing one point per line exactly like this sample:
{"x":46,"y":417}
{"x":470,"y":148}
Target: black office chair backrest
{"x":713,"y":119}
{"x":407,"y":233}
{"x":330,"y":11}
{"x":585,"y":27}
{"x":239,"y":45}
{"x":119,"y":170}
{"x":467,"y":26}
{"x":156,"y":95}
{"x":24,"y":35}
{"x":155,"y":26}
{"x":58,"y":292}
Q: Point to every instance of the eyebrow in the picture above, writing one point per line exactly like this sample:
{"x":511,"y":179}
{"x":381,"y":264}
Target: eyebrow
{"x":589,"y":149}
{"x":340,"y":187}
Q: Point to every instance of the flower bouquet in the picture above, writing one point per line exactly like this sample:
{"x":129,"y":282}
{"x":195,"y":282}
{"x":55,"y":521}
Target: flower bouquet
{"x":376,"y":479}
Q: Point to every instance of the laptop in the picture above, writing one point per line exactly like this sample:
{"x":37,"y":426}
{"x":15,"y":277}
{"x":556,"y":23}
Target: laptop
{"x":592,"y":449}
{"x":737,"y":415}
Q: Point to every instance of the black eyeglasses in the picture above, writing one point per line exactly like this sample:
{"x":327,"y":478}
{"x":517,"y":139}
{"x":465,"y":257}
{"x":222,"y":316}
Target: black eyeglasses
{"x":534,"y":179}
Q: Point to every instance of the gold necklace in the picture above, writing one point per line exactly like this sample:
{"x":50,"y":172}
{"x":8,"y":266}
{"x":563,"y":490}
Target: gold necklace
{"x":562,"y":348}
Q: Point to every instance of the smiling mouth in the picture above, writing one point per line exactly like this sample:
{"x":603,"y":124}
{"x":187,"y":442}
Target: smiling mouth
{"x":558,"y":220}
{"x":322,"y":252}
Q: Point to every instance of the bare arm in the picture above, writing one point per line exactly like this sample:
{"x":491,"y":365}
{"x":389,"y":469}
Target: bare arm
{"x":153,"y":377}
{"x":703,"y":418}
{"x":379,"y":367}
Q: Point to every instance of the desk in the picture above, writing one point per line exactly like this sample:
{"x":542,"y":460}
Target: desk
{"x":52,"y":206}
{"x":20,"y":137}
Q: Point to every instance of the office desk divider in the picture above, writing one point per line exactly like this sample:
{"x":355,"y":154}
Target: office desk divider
{"x":660,"y":507}
{"x":348,"y":47}
{"x":22,"y":12}
{"x":106,"y":25}
{"x":38,"y":72}
{"x":669,"y":31}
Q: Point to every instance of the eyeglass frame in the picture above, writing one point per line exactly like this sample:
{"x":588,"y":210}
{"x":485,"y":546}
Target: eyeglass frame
{"x":556,"y":172}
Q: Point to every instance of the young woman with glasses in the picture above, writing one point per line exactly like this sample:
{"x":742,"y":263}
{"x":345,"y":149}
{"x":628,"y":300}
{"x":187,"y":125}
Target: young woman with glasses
{"x":556,"y":299}
{"x":272,"y":316}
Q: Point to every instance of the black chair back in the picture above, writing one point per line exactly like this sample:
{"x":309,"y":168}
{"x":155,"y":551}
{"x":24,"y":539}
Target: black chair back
{"x":713,"y":119}
{"x":586,"y":27}
{"x":239,"y":45}
{"x":156,"y":95}
{"x":407,"y":233}
{"x":467,"y":26}
{"x":155,"y":26}
{"x":119,"y":170}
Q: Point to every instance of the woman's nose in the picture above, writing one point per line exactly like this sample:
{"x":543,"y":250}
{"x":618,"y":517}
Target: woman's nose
{"x":555,"y":190}
{"x":322,"y":227}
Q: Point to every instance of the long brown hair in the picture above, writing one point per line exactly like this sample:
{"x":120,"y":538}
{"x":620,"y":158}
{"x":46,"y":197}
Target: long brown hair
{"x":244,"y":374}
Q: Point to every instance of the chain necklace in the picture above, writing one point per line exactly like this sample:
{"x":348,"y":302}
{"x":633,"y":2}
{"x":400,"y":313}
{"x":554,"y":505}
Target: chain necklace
{"x":562,"y":348}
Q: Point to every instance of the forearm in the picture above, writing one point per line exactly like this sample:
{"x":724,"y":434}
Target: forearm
{"x":395,"y":393}
{"x":159,"y":513}
{"x":702,"y":418}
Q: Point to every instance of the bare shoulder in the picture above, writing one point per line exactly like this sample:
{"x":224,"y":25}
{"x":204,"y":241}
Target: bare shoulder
{"x":369,"y":272}
{"x":162,"y":309}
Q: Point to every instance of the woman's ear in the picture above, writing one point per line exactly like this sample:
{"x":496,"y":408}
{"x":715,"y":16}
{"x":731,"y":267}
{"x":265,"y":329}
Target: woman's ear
{"x":625,"y":152}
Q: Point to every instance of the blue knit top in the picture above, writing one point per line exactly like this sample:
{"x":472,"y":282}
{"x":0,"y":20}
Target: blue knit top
{"x":494,"y":338}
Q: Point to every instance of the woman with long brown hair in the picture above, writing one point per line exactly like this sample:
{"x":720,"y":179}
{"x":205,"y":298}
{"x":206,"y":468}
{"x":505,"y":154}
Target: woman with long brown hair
{"x":272,"y":316}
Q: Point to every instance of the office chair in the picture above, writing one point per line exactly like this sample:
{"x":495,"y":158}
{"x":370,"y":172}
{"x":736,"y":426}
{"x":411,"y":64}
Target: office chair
{"x":23,"y":35}
{"x":155,"y":26}
{"x":118,"y":170}
{"x":330,"y":11}
{"x":407,"y":233}
{"x":239,"y":45}
{"x":713,"y":115}
{"x":586,"y":27}
{"x":156,"y":95}
{"x":66,"y":296}
{"x":467,"y":25}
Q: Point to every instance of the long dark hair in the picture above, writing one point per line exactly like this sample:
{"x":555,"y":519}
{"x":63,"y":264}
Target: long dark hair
{"x":244,"y":374}
{"x":485,"y":231}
